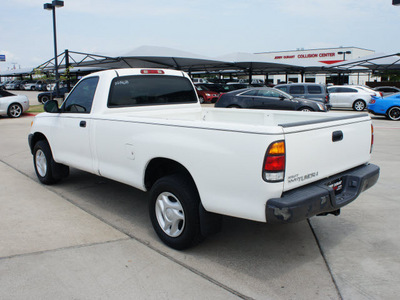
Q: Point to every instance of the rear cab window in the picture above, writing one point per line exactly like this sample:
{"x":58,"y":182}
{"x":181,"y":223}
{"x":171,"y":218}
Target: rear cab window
{"x":140,"y":90}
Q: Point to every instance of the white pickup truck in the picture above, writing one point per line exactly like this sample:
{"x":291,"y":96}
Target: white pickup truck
{"x":146,"y":128}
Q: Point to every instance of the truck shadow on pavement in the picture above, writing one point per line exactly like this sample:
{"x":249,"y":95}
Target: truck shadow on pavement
{"x":245,"y":254}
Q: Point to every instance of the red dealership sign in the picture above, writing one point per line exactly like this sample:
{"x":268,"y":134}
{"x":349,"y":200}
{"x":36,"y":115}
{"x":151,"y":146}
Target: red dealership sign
{"x":310,"y":55}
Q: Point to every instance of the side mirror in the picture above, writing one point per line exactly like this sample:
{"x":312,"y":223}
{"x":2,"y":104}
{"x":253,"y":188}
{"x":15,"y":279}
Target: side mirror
{"x":282,"y":97}
{"x":51,"y":106}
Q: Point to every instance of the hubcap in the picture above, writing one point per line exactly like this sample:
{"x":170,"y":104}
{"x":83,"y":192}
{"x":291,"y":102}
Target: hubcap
{"x":15,"y":111}
{"x":170,"y":215}
{"x":41,"y":163}
{"x":359,"y":106}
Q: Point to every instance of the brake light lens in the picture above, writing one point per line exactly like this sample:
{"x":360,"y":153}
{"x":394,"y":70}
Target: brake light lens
{"x":151,"y":71}
{"x":220,"y":96}
{"x":275,"y":162}
{"x":372,"y":138}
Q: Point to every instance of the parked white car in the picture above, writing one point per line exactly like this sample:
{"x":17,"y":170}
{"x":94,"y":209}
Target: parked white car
{"x":29,"y":86}
{"x":368,"y":89}
{"x":13,"y":105}
{"x":349,"y":97}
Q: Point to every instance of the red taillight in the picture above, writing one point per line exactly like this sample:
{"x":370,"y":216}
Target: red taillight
{"x":372,"y":138}
{"x":151,"y":71}
{"x":274,"y":162}
{"x":220,"y":96}
{"x":372,"y":101}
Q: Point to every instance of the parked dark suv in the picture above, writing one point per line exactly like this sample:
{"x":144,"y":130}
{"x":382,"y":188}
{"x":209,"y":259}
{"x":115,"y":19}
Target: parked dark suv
{"x":311,"y":91}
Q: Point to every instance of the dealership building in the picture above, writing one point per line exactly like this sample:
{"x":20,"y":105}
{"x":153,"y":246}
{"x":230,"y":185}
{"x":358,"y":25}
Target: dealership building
{"x":323,"y":59}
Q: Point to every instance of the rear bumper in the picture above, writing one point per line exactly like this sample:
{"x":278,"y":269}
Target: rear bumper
{"x":319,"y":197}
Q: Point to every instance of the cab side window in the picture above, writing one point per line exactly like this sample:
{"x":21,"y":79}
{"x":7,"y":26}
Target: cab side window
{"x":314,"y":89}
{"x":252,"y":92}
{"x":81,"y":98}
{"x":346,"y":90}
{"x":297,"y":89}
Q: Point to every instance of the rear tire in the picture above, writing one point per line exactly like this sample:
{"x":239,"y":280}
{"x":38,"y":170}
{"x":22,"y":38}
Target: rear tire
{"x":359,"y":105}
{"x":174,"y":211}
{"x":233,"y":106}
{"x":394,"y":113}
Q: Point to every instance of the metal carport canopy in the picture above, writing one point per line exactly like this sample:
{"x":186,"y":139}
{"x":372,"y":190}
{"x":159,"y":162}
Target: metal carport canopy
{"x":373,"y":62}
{"x":17,"y":72}
{"x":162,"y":57}
{"x":256,"y":63}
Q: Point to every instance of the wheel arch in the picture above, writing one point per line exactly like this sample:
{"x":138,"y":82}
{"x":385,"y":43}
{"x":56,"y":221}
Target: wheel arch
{"x":305,"y":107}
{"x":160,"y":167}
{"x":359,"y":99}
{"x":14,"y":103}
{"x":210,"y":223}
{"x":390,"y":107}
{"x":36,"y":137}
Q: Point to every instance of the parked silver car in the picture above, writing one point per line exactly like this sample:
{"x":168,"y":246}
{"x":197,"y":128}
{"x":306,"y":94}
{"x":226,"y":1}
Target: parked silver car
{"x":13,"y":105}
{"x":387,"y":90}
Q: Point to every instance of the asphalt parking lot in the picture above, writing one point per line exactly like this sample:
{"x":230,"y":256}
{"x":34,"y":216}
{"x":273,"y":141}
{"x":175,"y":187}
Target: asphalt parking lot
{"x":91,"y":238}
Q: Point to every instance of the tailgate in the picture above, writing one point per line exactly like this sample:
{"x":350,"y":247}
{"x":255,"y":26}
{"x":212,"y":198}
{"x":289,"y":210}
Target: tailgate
{"x":317,"y":150}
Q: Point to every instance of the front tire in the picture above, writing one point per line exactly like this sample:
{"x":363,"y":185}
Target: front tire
{"x":47,"y":170}
{"x":174,"y":211}
{"x":394,"y":113}
{"x":14,"y":110}
{"x":359,"y":105}
{"x":306,"y":109}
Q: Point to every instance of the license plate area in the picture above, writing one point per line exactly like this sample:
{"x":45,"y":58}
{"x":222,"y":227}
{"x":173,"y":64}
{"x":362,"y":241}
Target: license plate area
{"x":336,"y":185}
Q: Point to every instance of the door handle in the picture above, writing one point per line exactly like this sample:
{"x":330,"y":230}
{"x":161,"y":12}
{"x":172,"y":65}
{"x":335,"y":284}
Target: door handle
{"x":82,"y":124}
{"x":337,"y":136}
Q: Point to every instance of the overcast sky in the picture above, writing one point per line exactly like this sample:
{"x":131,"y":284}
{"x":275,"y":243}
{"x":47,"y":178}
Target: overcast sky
{"x":206,"y":27}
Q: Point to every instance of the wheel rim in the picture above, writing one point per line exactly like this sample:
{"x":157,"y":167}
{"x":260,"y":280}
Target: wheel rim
{"x":41,"y":163}
{"x":306,"y":109}
{"x":15,"y":110}
{"x":359,"y":105}
{"x":394,"y":113}
{"x":169,"y":214}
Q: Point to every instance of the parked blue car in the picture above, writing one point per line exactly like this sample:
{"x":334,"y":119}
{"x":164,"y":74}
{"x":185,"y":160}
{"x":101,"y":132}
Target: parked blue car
{"x":387,"y":106}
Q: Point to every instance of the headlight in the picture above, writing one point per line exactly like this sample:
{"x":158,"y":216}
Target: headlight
{"x":321,"y":106}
